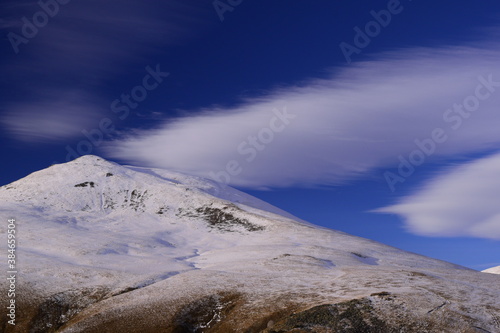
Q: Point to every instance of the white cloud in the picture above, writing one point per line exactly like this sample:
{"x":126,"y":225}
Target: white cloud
{"x":461,"y":202}
{"x":360,"y":119}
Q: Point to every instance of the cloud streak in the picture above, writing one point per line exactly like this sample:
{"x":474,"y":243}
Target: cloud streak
{"x":460,"y":202}
{"x":51,"y":118}
{"x":358,"y":120}
{"x":79,"y":51}
{"x":94,"y":39}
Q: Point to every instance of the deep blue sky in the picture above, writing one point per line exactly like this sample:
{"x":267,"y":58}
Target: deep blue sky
{"x":63,"y":80}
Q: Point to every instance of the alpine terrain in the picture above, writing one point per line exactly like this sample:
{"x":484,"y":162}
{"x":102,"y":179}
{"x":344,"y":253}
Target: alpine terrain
{"x":107,"y":248}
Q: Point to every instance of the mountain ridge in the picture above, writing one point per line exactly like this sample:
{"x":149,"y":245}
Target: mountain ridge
{"x":102,"y":242}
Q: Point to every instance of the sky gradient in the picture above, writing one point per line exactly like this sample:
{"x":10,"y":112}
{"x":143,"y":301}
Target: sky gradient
{"x":379,"y":119}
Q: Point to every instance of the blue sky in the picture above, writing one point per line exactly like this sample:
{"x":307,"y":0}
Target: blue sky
{"x":376,"y":118}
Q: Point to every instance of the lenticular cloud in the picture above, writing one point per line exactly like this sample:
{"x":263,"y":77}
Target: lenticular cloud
{"x":360,"y":120}
{"x":461,"y":202}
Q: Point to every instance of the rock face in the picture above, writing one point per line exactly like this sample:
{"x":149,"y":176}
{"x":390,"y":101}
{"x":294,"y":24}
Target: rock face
{"x":108,"y":248}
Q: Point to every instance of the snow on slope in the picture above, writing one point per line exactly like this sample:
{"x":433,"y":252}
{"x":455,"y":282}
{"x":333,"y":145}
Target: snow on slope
{"x":215,"y":189}
{"x":493,"y":270}
{"x":95,"y":224}
{"x":93,"y":214}
{"x":126,"y":219}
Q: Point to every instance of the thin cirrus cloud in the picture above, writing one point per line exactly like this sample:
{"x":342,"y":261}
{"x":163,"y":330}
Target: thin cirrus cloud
{"x":461,"y":202}
{"x":82,"y":48}
{"x":94,"y":39}
{"x":50,"y":118}
{"x":359,"y":120}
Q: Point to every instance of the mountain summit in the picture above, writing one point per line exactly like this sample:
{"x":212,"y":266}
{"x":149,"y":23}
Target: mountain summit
{"x":110,"y":248}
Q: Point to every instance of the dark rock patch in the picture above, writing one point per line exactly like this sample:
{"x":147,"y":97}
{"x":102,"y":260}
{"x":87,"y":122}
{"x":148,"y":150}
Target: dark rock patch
{"x":85,"y":184}
{"x":224,"y":220}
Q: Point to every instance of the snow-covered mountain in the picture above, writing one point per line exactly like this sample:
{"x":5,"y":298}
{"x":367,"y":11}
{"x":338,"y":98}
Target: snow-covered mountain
{"x":493,"y":270}
{"x":108,"y":248}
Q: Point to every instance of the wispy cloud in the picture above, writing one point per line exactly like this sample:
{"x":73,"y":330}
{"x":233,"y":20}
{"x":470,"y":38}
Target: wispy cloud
{"x":51,"y":118}
{"x":94,"y":38}
{"x":460,"y":202}
{"x":58,"y":79}
{"x":360,"y":119}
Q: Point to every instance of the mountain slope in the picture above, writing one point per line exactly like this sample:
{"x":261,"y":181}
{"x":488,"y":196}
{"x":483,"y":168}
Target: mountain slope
{"x":110,"y":248}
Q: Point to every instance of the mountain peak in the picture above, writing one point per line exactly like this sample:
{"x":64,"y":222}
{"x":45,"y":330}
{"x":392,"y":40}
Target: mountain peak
{"x":89,"y":159}
{"x":94,"y":184}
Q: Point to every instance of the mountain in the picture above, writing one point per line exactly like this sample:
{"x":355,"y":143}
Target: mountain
{"x":109,"y":248}
{"x":493,"y":270}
